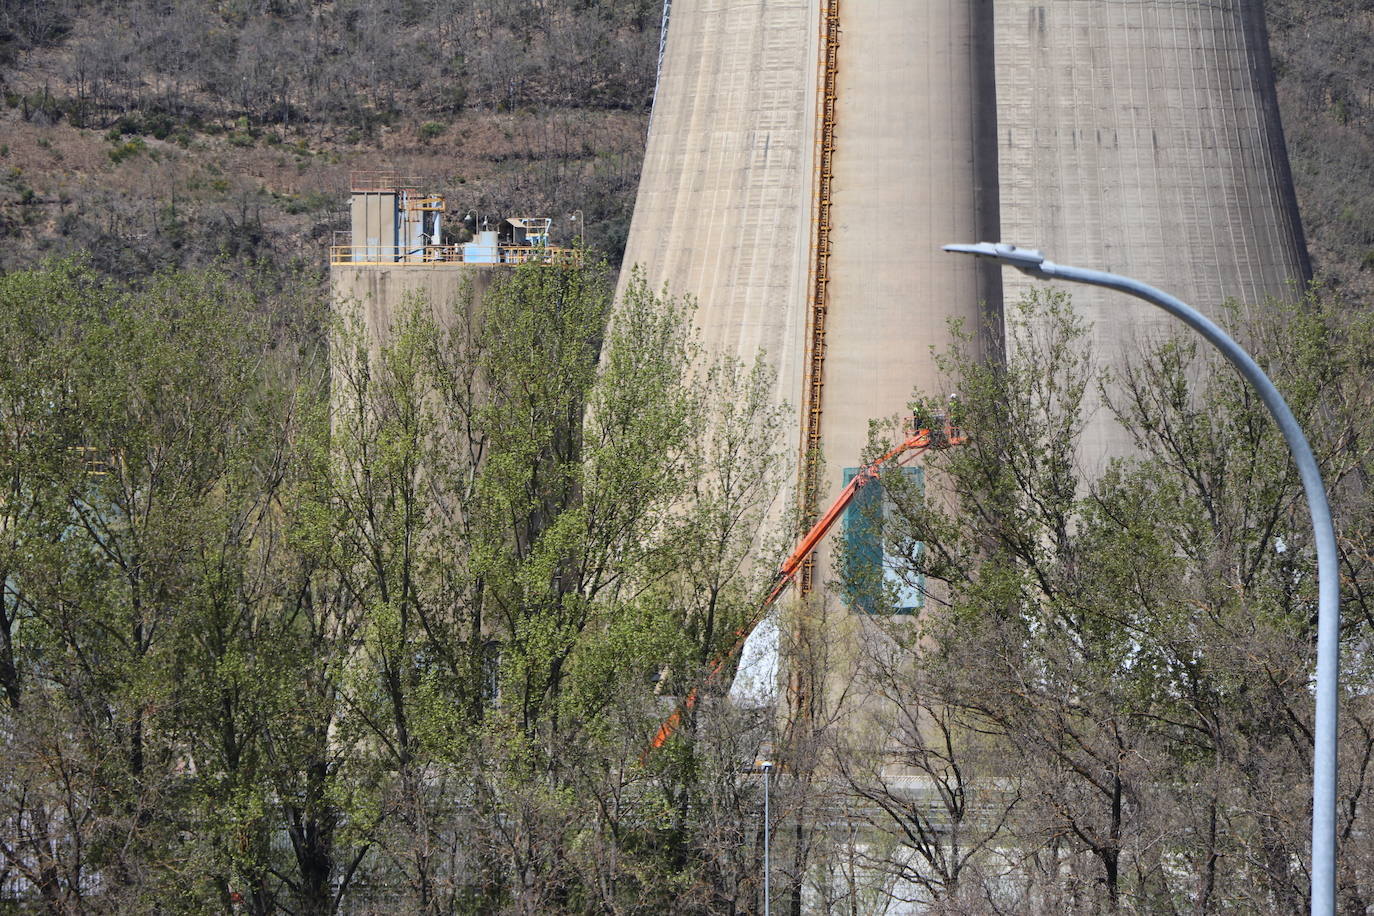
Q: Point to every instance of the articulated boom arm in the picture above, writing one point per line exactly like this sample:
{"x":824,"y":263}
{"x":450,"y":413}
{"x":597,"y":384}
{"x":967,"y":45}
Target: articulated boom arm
{"x":943,"y":435}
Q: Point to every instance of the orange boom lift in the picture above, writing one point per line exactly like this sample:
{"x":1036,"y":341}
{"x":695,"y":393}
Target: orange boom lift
{"x":940,"y":434}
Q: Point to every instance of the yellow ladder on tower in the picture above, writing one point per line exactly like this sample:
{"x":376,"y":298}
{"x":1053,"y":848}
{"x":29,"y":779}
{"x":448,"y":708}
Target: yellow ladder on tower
{"x":820,"y":273}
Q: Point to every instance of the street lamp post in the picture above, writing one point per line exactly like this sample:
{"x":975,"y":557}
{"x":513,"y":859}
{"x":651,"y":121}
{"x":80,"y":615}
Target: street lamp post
{"x":1035,"y":264}
{"x":767,"y":766}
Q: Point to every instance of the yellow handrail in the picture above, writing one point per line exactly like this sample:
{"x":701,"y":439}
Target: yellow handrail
{"x":431,"y":203}
{"x":375,"y":180}
{"x":434,"y":255}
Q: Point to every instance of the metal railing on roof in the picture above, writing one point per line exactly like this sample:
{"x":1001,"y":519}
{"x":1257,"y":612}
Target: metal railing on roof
{"x":427,"y":203}
{"x":435,"y":255}
{"x":373,"y":180}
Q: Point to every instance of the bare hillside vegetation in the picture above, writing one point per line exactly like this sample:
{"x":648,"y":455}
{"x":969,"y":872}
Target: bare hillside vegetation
{"x":1325,"y":69}
{"x":153,"y":133}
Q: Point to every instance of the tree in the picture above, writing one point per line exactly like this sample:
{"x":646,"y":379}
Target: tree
{"x":1132,"y":650}
{"x":137,"y":577}
{"x":538,"y":510}
{"x":378,"y":630}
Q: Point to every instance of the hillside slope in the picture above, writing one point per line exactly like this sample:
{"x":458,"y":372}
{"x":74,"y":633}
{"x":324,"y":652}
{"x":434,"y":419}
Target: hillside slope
{"x":1325,"y":76}
{"x":154,"y":133}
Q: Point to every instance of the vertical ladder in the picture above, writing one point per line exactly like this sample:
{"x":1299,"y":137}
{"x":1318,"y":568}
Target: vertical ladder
{"x":814,"y":383}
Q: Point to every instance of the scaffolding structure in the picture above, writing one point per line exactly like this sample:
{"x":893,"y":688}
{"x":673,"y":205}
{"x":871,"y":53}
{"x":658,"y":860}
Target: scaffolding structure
{"x":395,"y":221}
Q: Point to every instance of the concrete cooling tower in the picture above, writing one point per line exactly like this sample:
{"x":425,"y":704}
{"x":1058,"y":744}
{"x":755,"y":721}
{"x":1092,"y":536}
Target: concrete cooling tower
{"x":807,"y":158}
{"x":1143,"y":138}
{"x":805,"y":161}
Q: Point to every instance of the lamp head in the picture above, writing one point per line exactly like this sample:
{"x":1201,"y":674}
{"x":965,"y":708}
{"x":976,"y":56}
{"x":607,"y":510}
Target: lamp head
{"x":1026,"y":260}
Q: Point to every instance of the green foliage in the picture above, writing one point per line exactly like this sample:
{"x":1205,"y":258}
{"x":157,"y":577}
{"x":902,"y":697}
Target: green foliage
{"x":310,"y":202}
{"x":386,"y":628}
{"x":127,"y":150}
{"x":139,"y":625}
{"x":512,"y":505}
{"x":393,"y":623}
{"x":1133,"y":649}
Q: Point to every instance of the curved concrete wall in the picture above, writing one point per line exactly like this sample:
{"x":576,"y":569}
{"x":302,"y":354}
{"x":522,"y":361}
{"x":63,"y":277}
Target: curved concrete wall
{"x":1143,"y":138}
{"x":726,"y":200}
{"x":914,"y":168}
{"x":724,"y":197}
{"x":1140,"y":136}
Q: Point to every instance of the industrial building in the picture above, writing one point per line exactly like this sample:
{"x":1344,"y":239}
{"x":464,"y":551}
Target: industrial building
{"x":400,"y":244}
{"x":806,"y":160}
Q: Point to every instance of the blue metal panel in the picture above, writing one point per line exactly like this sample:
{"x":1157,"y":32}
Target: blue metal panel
{"x":873,"y":580}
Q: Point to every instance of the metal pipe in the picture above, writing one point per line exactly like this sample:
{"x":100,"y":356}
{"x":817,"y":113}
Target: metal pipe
{"x":1035,"y":264}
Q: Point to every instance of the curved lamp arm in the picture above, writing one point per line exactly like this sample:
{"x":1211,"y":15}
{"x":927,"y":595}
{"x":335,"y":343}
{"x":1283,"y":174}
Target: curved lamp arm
{"x":1032,"y":262}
